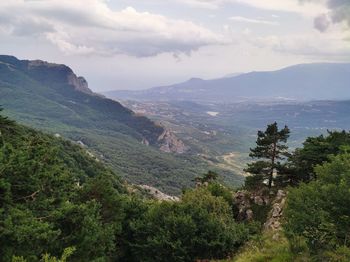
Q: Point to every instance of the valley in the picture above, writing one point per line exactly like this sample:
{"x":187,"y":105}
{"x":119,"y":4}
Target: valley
{"x":224,"y":138}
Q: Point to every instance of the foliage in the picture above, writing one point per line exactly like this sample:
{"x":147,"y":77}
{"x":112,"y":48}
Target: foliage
{"x":200,"y":226}
{"x":315,"y":151}
{"x":341,"y":254}
{"x":54,"y":195}
{"x":47,"y":258}
{"x":325,"y":218}
{"x":265,"y":248}
{"x":47,"y":199}
{"x":271,"y":149}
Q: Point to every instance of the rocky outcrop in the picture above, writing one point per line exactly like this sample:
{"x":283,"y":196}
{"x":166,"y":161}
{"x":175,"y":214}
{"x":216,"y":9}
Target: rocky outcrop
{"x":169,"y":143}
{"x":242,"y":201}
{"x":79,"y":83}
{"x":245,"y":200}
{"x":155,"y":193}
{"x":145,"y":142}
{"x":273,"y":222}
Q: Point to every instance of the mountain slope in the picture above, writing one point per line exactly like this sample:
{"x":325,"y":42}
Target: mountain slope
{"x":54,"y":91}
{"x":54,"y":195}
{"x":305,"y":82}
{"x":52,"y":98}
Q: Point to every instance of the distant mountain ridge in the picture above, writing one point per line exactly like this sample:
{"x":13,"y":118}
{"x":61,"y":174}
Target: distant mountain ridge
{"x":322,"y":81}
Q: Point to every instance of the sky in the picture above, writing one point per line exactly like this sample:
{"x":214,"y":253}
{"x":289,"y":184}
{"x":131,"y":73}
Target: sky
{"x":138,"y":44}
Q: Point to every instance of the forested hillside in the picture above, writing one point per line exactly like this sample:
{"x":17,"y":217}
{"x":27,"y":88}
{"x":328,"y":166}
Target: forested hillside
{"x":52,"y":98}
{"x":56,"y":199}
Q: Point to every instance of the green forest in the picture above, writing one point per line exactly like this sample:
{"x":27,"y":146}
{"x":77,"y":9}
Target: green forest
{"x":58,"y":203}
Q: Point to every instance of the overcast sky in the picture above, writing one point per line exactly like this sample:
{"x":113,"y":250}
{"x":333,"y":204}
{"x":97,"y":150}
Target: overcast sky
{"x":136,"y":44}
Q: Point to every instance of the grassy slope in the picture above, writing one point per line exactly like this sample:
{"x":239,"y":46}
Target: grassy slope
{"x":265,"y":248}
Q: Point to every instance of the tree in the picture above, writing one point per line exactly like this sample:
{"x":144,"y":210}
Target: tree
{"x":315,"y":151}
{"x":207,"y":178}
{"x":270,"y":150}
{"x":319,"y":211}
{"x":200,"y":226}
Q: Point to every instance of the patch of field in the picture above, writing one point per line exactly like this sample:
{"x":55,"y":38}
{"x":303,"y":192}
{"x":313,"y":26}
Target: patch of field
{"x":234,"y":161}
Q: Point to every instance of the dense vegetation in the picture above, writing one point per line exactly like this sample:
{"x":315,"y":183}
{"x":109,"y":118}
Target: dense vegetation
{"x":324,"y":223}
{"x":316,"y":224}
{"x":317,"y":214}
{"x":56,"y":199}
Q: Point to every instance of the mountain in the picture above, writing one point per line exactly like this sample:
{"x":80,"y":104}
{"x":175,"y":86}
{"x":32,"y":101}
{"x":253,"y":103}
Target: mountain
{"x":328,"y":81}
{"x":52,"y":98}
{"x":53,"y":91}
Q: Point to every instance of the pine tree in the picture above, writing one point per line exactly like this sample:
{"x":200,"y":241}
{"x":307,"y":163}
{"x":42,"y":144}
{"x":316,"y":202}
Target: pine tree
{"x":271,"y":148}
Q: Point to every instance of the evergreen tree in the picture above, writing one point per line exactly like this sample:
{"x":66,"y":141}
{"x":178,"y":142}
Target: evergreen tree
{"x":271,"y":148}
{"x":315,"y":151}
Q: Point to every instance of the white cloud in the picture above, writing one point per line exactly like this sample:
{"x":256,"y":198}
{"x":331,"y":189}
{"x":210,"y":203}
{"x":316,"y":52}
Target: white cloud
{"x":252,"y":21}
{"x":308,"y":8}
{"x":91,"y":27}
{"x":314,"y":45}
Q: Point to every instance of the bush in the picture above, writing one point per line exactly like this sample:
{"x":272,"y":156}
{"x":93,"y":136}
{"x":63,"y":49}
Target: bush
{"x":201,"y":226}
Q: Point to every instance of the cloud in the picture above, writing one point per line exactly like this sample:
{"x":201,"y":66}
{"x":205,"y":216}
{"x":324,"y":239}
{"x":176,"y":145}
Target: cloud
{"x":338,"y":12}
{"x":252,"y":21}
{"x":313,"y":45}
{"x":309,"y":8}
{"x":322,"y":22}
{"x":91,"y":27}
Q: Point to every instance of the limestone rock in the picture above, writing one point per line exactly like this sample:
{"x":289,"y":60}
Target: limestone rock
{"x":154,"y":192}
{"x":273,"y":222}
{"x":169,"y":143}
{"x":249,"y":215}
{"x":79,"y":83}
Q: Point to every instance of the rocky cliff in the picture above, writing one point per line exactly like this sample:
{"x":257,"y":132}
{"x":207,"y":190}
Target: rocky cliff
{"x":169,"y":143}
{"x":61,"y":73}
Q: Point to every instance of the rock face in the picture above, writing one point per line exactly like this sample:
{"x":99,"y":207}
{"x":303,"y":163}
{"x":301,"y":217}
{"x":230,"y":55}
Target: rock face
{"x":59,"y":73}
{"x":79,"y":83}
{"x":273,"y":223}
{"x":245,"y":200}
{"x":169,"y":143}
